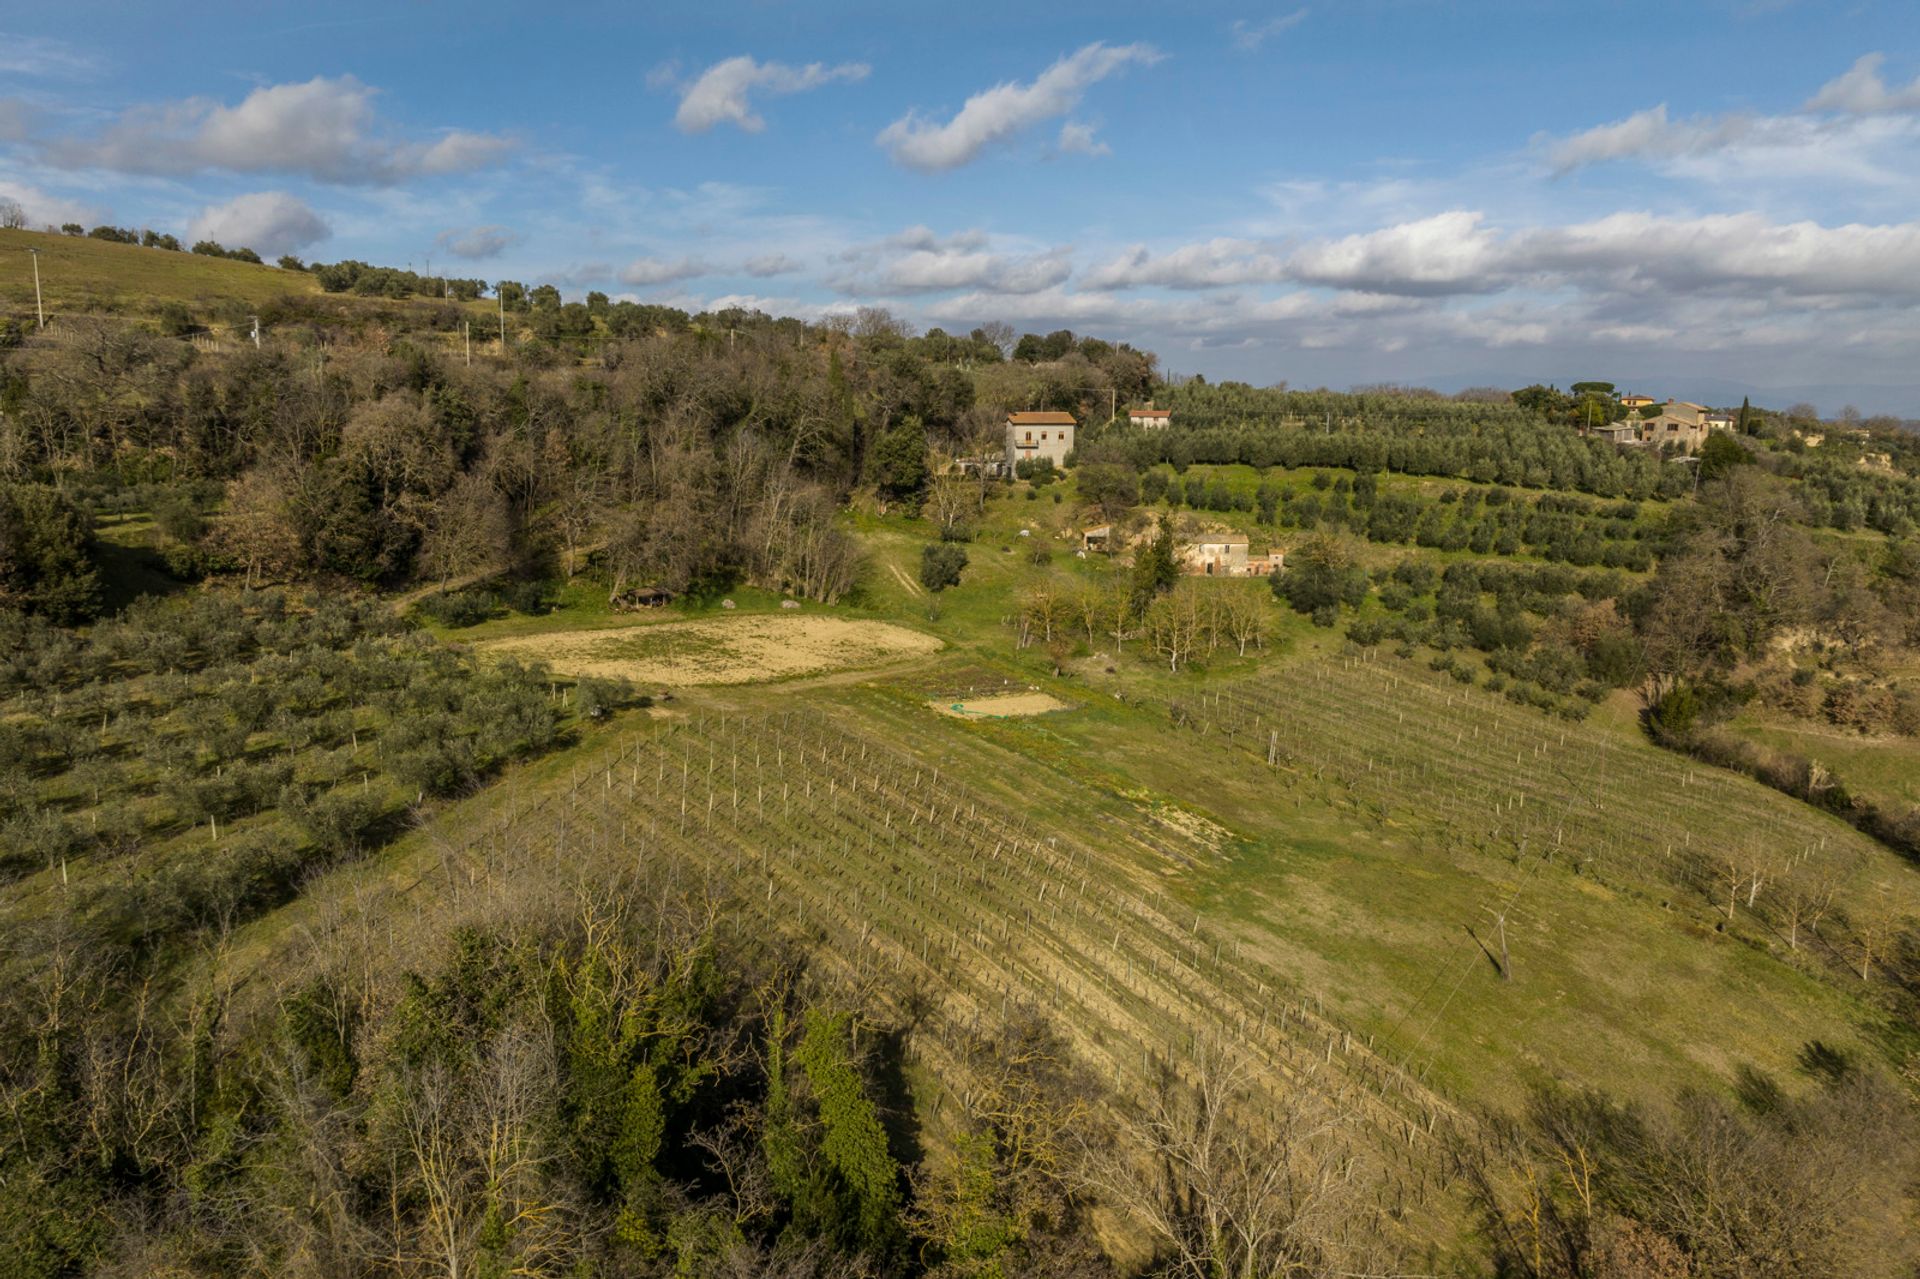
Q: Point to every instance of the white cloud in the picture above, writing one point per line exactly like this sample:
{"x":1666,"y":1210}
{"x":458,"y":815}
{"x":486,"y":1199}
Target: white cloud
{"x":326,"y":129}
{"x":918,"y":260}
{"x":1447,"y":253}
{"x":1861,"y":91}
{"x":643,"y":272}
{"x":477,"y":243}
{"x":771,"y":264}
{"x":720,"y":94}
{"x":1647,"y":133}
{"x":46,"y":209}
{"x":1828,"y":134}
{"x":1249,"y":36}
{"x":1629,"y":255}
{"x":994,"y":115}
{"x":268,"y":222}
{"x":1078,"y":139}
{"x":1739,"y":253}
{"x":1211,"y":264}
{"x":41,"y":56}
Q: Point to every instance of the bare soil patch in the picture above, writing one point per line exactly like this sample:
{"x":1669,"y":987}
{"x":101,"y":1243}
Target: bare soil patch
{"x":1000,"y":706}
{"x":721,"y":650}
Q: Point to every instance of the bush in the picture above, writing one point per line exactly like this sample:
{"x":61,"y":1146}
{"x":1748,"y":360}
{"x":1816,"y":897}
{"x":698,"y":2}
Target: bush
{"x":458,"y":609}
{"x":940,"y":565}
{"x":535,"y":599}
{"x":597,"y":698}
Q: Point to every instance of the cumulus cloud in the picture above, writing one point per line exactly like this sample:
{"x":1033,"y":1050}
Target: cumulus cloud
{"x":1727,"y":253}
{"x":721,"y":94}
{"x":477,"y":243}
{"x":326,"y":129}
{"x":1448,"y":253}
{"x":644,"y":272}
{"x":995,"y":115}
{"x":1648,"y":133}
{"x":918,"y":260}
{"x":1249,"y":35}
{"x":1861,"y":91}
{"x":1630,"y":255}
{"x":1210,"y":264}
{"x":1838,"y":120}
{"x":1078,"y":139}
{"x":269,"y":222}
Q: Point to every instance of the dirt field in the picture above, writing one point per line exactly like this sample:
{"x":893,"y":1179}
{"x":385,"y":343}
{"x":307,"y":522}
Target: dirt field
{"x":1000,"y":705}
{"x":723,"y":650}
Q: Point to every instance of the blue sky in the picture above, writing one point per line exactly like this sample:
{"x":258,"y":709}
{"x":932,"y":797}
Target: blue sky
{"x":1681,"y":194}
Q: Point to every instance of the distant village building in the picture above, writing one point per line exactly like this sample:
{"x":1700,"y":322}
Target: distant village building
{"x":1680,"y":425}
{"x":1036,"y":435}
{"x":1149,"y":417}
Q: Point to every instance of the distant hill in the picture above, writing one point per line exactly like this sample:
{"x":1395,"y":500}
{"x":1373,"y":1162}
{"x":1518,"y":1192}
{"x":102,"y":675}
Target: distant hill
{"x":77,"y":273}
{"x":1829,"y":397}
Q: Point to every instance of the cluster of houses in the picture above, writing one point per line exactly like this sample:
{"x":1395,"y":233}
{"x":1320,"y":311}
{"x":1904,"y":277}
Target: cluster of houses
{"x":1678,"y":426}
{"x":1032,"y":436}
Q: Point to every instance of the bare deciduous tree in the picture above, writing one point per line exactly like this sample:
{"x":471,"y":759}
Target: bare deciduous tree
{"x":1233,"y":1181}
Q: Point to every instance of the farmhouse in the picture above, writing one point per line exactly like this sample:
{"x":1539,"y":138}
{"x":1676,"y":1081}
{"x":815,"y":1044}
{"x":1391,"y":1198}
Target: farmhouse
{"x":1037,"y":435}
{"x":1718,"y":421}
{"x":1149,"y":417}
{"x":1635,"y":401}
{"x":1216,"y":555}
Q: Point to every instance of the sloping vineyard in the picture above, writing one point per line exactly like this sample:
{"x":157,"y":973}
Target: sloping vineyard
{"x":917,"y":878}
{"x":1404,"y":747}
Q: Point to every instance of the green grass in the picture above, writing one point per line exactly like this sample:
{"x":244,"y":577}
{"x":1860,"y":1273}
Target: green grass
{"x":1885,"y":768}
{"x":78,"y":274}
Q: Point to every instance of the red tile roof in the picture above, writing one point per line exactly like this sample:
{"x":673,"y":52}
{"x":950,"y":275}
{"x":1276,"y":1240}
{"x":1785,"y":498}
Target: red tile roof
{"x":1041,"y":419}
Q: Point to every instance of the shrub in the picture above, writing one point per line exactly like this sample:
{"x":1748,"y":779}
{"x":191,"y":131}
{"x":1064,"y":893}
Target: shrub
{"x":940,"y":565}
{"x":535,"y":599}
{"x":458,"y":609}
{"x":598,"y":698}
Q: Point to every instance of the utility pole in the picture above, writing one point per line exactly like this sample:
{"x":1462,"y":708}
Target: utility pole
{"x":38,"y":306}
{"x":501,"y":298}
{"x":466,"y":331}
{"x":256,"y":331}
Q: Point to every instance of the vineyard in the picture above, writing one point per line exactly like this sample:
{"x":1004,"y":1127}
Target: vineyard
{"x":938,"y":882}
{"x":932,"y":884}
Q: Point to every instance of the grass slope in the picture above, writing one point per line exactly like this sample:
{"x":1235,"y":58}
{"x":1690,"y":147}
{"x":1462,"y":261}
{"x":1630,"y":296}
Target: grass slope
{"x":78,"y":274}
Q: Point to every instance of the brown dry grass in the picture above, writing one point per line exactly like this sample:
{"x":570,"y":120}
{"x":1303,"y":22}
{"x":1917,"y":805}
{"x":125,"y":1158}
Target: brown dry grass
{"x":724,"y":650}
{"x":1002,"y":704}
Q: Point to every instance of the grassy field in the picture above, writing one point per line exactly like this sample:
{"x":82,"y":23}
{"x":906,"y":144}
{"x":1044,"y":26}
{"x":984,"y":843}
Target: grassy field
{"x":1307,"y":851}
{"x":80,"y":274}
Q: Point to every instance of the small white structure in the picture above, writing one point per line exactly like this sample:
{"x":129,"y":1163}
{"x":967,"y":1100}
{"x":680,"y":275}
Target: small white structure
{"x":1150,"y":417}
{"x":1031,"y":436}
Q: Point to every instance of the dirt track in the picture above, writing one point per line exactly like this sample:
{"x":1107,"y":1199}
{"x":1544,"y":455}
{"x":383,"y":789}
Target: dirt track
{"x":1003,"y":704}
{"x":726,"y":650}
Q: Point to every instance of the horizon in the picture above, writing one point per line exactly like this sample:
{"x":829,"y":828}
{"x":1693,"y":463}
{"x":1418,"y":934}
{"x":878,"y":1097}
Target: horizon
{"x":1406,"y":195}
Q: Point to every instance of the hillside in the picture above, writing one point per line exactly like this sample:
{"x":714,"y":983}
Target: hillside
{"x":79,"y":274}
{"x":375,"y":887}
